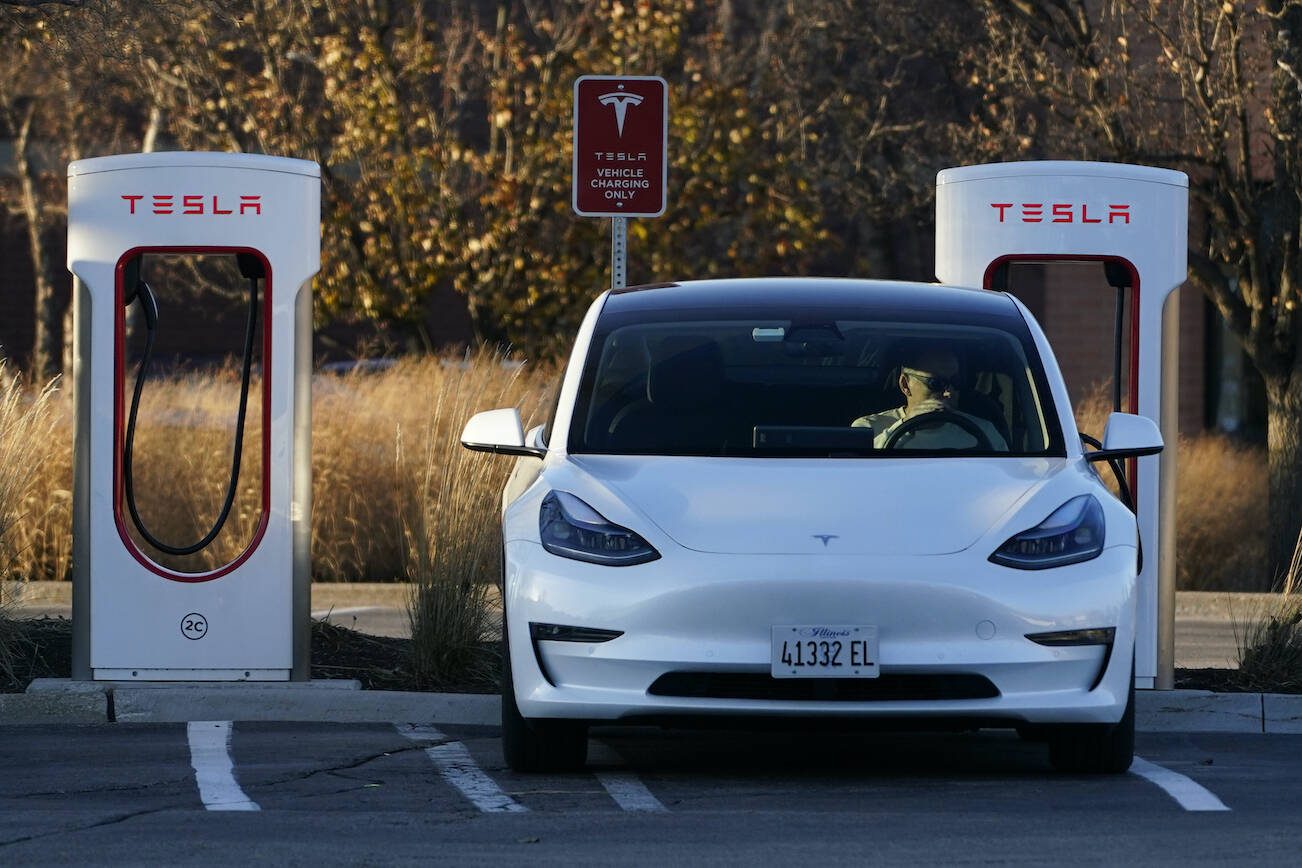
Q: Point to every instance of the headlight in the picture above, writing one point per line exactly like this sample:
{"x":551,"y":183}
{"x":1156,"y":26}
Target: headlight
{"x":572,"y":529}
{"x":1073,"y":533}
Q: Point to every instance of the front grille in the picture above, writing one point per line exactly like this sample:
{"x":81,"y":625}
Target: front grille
{"x":886,"y":688}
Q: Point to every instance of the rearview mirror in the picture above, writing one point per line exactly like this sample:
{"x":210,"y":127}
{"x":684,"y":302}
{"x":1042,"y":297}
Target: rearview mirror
{"x":1128,"y":436}
{"x":498,"y":431}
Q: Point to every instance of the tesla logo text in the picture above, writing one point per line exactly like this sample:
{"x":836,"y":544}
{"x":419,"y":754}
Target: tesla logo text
{"x":1058,"y":212}
{"x":825,"y":537}
{"x":192,"y":204}
{"x":620,"y":102}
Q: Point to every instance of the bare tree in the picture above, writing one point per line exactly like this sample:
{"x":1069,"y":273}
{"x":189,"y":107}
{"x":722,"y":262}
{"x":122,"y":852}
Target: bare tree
{"x":1210,"y":87}
{"x":61,"y":89}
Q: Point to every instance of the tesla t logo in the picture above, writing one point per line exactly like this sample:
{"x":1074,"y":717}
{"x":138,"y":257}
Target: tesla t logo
{"x":1058,"y":212}
{"x":621,"y":102}
{"x":192,"y":204}
{"x":825,"y":537}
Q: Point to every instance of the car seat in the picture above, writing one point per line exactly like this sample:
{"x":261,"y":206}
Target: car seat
{"x":682,"y":410}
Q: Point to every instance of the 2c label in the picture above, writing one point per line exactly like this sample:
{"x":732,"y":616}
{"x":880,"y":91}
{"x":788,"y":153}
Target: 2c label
{"x":194,"y":626}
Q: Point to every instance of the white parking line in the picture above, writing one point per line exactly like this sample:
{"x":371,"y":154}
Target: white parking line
{"x":630,"y":793}
{"x":1191,"y":795}
{"x":458,"y":768}
{"x":210,"y":756}
{"x":625,"y":788}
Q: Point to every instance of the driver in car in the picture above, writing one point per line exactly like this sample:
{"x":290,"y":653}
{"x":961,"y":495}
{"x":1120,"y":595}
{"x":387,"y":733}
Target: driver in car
{"x":929,"y":381}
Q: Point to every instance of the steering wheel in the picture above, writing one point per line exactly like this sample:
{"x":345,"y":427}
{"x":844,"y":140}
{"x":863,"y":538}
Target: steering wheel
{"x":935,"y":419}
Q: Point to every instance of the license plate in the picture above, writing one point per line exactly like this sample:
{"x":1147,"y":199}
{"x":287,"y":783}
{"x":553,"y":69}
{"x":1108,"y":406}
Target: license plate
{"x":825,"y":651}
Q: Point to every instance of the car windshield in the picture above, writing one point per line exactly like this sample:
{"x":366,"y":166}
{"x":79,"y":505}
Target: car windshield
{"x":707,"y":383}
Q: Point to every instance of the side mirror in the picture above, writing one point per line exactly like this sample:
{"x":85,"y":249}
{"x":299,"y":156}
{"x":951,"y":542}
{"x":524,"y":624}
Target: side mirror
{"x":1128,"y":436}
{"x":498,"y":431}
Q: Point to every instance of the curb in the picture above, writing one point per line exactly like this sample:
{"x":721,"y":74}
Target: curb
{"x":83,"y":707}
{"x":59,"y":700}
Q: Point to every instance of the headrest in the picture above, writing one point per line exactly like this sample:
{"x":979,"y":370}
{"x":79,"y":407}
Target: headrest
{"x":687,"y":373}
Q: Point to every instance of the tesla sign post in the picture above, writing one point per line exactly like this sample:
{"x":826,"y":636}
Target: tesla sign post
{"x":621,"y":136}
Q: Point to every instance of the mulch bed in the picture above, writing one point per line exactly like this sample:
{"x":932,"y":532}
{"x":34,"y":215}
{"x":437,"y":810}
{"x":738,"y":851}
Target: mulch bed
{"x":378,"y":662}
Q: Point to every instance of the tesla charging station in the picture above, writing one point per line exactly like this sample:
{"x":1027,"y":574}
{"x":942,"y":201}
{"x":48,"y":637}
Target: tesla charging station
{"x":1134,"y":220}
{"x":135,"y":618}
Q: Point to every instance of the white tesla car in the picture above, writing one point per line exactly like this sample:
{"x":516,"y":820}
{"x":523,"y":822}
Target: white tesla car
{"x":802,"y":498}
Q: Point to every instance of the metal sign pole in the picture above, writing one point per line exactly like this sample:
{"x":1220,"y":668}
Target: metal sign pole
{"x":618,"y":252}
{"x":621,"y":165}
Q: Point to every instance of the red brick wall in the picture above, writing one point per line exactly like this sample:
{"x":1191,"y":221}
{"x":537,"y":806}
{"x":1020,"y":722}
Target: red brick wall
{"x":1075,"y":305}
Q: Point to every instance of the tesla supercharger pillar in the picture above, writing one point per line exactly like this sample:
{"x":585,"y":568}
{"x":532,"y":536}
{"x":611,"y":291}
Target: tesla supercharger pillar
{"x":1134,"y":216}
{"x":134,"y":618}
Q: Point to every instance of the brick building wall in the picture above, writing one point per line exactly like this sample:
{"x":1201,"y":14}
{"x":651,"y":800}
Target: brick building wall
{"x":1075,"y":306}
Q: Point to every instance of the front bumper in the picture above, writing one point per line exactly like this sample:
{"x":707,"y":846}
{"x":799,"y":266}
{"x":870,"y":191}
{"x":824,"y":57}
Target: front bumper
{"x":703,"y":613}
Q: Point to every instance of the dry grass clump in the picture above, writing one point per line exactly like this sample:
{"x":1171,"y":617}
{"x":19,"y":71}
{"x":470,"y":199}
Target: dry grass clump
{"x":1221,"y":503}
{"x":182,"y":463}
{"x":1270,"y":647}
{"x":25,"y":419}
{"x":450,"y":508}
{"x":1270,"y":642}
{"x":1221,"y":516}
{"x":36,"y":445}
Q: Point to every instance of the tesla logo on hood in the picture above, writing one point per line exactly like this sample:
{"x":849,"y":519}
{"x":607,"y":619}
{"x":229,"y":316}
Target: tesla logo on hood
{"x":825,"y":537}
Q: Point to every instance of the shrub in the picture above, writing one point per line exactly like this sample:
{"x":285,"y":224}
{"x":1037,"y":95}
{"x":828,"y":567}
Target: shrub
{"x":25,"y":419}
{"x":1220,"y":506}
{"x":1270,"y":647}
{"x":450,"y":506}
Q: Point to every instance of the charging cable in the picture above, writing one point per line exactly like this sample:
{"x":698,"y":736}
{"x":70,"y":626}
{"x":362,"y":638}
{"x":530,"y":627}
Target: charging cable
{"x":149,"y":306}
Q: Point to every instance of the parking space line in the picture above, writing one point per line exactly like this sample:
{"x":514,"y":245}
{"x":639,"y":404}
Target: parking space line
{"x":630,"y":793}
{"x":459,"y":769}
{"x":1191,"y":795}
{"x":625,"y":788}
{"x":214,"y":772}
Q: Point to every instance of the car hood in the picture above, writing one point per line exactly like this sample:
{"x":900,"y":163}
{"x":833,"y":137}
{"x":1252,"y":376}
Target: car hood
{"x":915,"y":506}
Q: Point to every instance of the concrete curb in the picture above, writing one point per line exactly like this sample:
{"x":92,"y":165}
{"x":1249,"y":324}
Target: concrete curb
{"x":1282,"y":712}
{"x":58,"y":700}
{"x":1198,"y":711}
{"x":73,"y":707}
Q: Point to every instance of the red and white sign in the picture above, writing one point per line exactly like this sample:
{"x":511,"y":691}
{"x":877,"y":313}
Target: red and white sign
{"x":621,"y":138}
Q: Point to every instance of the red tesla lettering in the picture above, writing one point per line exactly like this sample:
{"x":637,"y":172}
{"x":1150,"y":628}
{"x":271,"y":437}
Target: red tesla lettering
{"x":1061,"y":212}
{"x":196,"y":204}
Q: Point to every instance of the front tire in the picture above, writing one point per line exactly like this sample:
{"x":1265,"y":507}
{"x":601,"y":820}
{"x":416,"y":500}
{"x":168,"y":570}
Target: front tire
{"x":537,"y":745}
{"x":1096,"y":748}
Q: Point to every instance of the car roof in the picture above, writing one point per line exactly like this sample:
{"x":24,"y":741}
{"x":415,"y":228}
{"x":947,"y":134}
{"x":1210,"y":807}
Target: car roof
{"x":809,"y":292}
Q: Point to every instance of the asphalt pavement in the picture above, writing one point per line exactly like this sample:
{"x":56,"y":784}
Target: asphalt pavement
{"x":235,"y":773}
{"x":222,"y":792}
